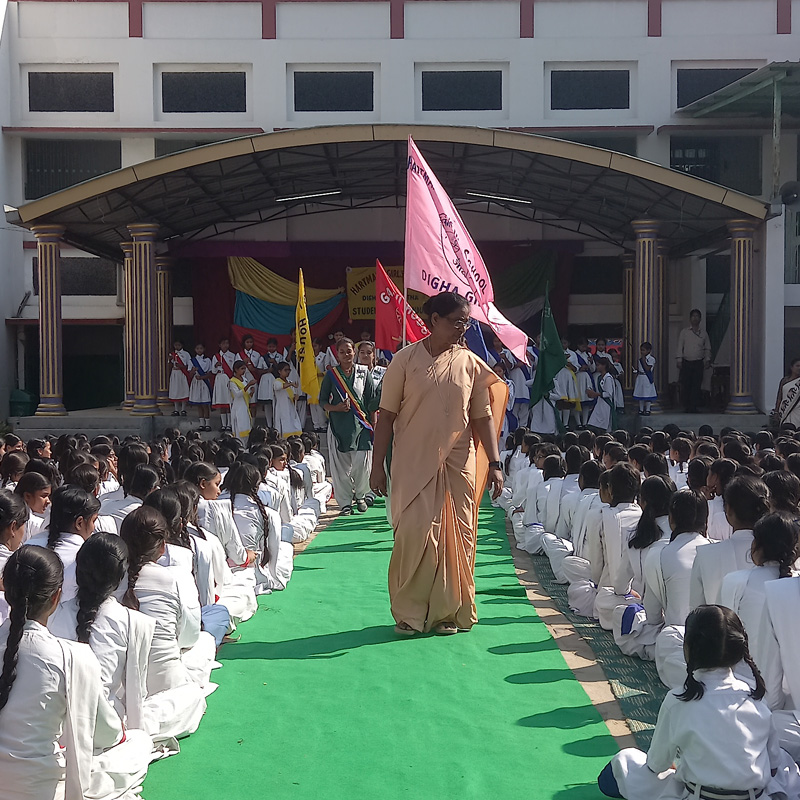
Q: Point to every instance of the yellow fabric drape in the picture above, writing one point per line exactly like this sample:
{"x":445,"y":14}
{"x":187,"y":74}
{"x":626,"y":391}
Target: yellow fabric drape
{"x":252,"y":278}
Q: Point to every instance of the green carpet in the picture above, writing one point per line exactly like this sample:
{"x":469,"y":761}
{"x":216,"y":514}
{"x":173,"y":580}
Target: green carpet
{"x":320,"y":701}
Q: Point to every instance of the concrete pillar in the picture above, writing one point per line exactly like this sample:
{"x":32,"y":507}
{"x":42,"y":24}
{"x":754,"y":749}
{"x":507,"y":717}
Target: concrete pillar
{"x":661,"y":344}
{"x":127,"y":280}
{"x":742,"y":308}
{"x":164,"y":324}
{"x":628,"y":331}
{"x":143,"y":303}
{"x":51,"y":376}
{"x":647,"y":303}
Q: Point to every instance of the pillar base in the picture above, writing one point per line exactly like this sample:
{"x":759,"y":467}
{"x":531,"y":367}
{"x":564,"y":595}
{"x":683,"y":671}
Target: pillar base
{"x":51,"y":408}
{"x":148,"y":410}
{"x":163,"y":401}
{"x":741,"y":405}
{"x":127,"y":405}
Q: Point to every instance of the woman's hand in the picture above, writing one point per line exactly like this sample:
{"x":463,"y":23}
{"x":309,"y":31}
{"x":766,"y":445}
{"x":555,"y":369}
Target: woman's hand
{"x":495,"y":482}
{"x":377,"y":480}
{"x":252,"y":555}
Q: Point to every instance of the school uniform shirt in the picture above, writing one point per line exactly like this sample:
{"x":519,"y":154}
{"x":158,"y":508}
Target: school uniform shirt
{"x":216,"y":517}
{"x":643,"y":389}
{"x":109,"y":485}
{"x":677,"y":472}
{"x":713,"y":565}
{"x":221,"y":397}
{"x":200,"y":389}
{"x":585,"y":379}
{"x":67,"y":550}
{"x":718,"y":528}
{"x":347,"y":431}
{"x":178,"y":382}
{"x":744,"y":592}
{"x":632,"y":567}
{"x":35,"y":524}
{"x":5,"y":554}
{"x":601,"y":413}
{"x":119,"y":507}
{"x":569,"y":506}
{"x":250,"y":357}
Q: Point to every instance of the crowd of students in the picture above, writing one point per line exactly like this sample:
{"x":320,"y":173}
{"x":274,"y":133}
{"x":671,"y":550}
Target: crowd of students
{"x":124,"y":565}
{"x":685,"y":547}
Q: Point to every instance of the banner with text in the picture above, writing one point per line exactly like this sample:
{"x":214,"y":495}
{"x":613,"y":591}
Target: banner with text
{"x":361,"y":291}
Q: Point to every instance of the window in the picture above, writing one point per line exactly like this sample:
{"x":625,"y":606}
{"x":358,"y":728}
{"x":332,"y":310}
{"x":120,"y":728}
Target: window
{"x":83,"y":276}
{"x":718,"y":274}
{"x":468,"y":90}
{"x":596,"y":275}
{"x":589,"y":88}
{"x":70,"y":91}
{"x":53,"y":164}
{"x":203,"y":92}
{"x":334,"y":91}
{"x":733,"y":161}
{"x":696,"y":83}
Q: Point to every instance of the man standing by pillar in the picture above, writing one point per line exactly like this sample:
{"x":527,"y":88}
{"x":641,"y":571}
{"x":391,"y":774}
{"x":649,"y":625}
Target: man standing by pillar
{"x":694,"y":356}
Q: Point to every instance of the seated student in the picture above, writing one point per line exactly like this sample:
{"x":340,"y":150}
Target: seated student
{"x":260,"y":531}
{"x":310,"y":499}
{"x":35,"y":489}
{"x":73,"y":516}
{"x":298,"y":516}
{"x":667,"y":576}
{"x":575,"y":457}
{"x":697,"y":474}
{"x":579,"y":568}
{"x":529,"y":508}
{"x":636,"y":456}
{"x":100,"y":758}
{"x":680,"y":450}
{"x":13,"y":521}
{"x":321,"y":489}
{"x":215,"y":515}
{"x":12,"y":466}
{"x":181,"y":653}
{"x":130,"y":456}
{"x":558,"y":547}
{"x":137,"y":484}
{"x":720,"y":473}
{"x":784,"y":491}
{"x":656,"y":464}
{"x":714,"y":739}
{"x":746,"y":501}
{"x":553,"y":472}
{"x":87,"y":477}
{"x":618,"y":525}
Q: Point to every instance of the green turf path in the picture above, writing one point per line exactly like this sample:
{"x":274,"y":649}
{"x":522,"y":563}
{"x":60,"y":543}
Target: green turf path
{"x":320,"y":701}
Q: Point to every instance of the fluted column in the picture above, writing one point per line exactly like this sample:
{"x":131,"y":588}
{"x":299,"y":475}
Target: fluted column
{"x":662,"y":335}
{"x":127,"y":280}
{"x":647,"y":304}
{"x":163,"y":327}
{"x":51,"y":376}
{"x":143,"y":304}
{"x":741,"y":231}
{"x":628,"y":332}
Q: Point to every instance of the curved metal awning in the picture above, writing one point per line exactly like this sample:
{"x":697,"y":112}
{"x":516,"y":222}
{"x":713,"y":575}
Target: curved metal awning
{"x":212,"y":190}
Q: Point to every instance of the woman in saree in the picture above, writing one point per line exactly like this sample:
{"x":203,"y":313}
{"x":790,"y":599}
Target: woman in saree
{"x":787,"y":403}
{"x":444,"y":407}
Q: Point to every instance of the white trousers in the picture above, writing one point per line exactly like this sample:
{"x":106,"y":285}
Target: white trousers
{"x":318,"y":417}
{"x":557,"y":550}
{"x":349,"y":472}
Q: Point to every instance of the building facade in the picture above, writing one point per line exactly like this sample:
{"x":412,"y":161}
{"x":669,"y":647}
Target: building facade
{"x":91,"y":87}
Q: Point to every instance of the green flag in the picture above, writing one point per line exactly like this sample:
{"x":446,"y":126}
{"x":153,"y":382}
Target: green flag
{"x":551,"y":355}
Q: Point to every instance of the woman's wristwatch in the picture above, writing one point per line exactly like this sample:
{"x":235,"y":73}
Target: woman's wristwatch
{"x":495,"y":465}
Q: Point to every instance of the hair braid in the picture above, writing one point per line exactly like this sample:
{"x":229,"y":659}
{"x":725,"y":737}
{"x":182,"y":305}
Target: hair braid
{"x":692,"y":688}
{"x":89,"y":603}
{"x":17,"y":617}
{"x":265,"y":518}
{"x":761,"y":689}
{"x":53,"y":536}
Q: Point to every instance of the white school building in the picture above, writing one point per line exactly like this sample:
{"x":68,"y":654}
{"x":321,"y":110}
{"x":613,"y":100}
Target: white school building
{"x":102,"y":103}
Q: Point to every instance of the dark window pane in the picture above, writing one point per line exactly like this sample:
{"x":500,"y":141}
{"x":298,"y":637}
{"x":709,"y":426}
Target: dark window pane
{"x":733,"y":161}
{"x":590,"y":88}
{"x":333,"y":91}
{"x":462,"y":91}
{"x":71,"y":91}
{"x":718,"y":274}
{"x":53,"y":164}
{"x":83,"y":276}
{"x":696,"y":83}
{"x":596,"y":275}
{"x":203,"y":92}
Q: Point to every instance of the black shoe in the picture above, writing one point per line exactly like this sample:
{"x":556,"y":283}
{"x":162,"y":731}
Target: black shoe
{"x":183,"y":413}
{"x":346,"y":510}
{"x":176,"y":413}
{"x":369,"y":500}
{"x":361,"y":505}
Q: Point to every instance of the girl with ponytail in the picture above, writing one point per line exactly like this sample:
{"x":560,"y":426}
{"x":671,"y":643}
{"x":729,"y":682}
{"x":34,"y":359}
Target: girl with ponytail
{"x":716,"y":737}
{"x":35,"y":489}
{"x":260,"y":529}
{"x":13,"y":522}
{"x":167,"y":597}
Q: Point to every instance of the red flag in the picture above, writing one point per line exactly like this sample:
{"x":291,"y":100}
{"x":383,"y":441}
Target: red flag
{"x":389,"y":303}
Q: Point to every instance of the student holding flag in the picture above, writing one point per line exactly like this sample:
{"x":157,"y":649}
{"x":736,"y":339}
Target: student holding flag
{"x":547,"y":390}
{"x":347,"y":394}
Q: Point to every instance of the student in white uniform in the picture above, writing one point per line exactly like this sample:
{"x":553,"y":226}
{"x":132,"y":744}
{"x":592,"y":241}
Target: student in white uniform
{"x":570,"y":383}
{"x":254,"y":367}
{"x":240,"y":387}
{"x":222,"y":367}
{"x":715,"y":739}
{"x":143,"y":480}
{"x":644,"y":390}
{"x":260,"y":529}
{"x":103,"y":760}
{"x":287,"y":422}
{"x":746,"y":501}
{"x":617,"y":372}
{"x":322,"y":487}
{"x":668,"y":575}
{"x":720,"y":474}
{"x":35,"y":489}
{"x":586,"y":379}
{"x":603,"y":413}
{"x":181,"y":373}
{"x":201,"y":386}
{"x":553,"y":471}
{"x":13,"y":519}
{"x":318,"y":417}
{"x":181,"y":654}
{"x":680,"y":451}
{"x":73,"y":516}
{"x":320,"y":491}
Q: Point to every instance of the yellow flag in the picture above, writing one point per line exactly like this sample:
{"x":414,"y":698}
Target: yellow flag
{"x":306,"y":364}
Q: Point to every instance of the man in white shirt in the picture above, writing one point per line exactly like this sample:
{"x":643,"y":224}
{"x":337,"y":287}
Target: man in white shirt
{"x":694,"y":356}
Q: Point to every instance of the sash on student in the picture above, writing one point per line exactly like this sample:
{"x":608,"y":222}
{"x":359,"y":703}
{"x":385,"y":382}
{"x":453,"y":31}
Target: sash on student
{"x":178,"y":363}
{"x":790,"y":402}
{"x":201,"y":372}
{"x":647,"y":371}
{"x":347,"y":393}
{"x":226,"y":367}
{"x":245,"y":396}
{"x":584,"y":363}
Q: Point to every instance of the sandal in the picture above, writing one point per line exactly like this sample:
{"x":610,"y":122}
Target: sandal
{"x":445,"y":629}
{"x":345,"y":511}
{"x":361,"y":505}
{"x":404,"y":629}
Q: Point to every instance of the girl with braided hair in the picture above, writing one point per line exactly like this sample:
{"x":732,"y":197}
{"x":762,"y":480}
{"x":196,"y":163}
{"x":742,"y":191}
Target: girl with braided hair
{"x":713,"y":739}
{"x":35,"y":489}
{"x":37,"y":665}
{"x":13,"y":524}
{"x":138,"y":484}
{"x":73,"y":515}
{"x":260,"y":529}
{"x":181,"y":652}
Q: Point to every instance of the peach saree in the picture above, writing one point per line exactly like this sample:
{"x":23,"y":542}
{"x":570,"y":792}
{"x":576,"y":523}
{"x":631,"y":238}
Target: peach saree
{"x":438,"y":474}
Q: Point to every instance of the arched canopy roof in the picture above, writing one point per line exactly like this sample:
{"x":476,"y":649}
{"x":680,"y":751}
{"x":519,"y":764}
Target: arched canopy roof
{"x":204,"y":192}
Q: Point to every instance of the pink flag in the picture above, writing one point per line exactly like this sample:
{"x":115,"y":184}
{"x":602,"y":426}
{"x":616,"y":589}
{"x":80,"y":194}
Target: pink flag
{"x":441,"y":256}
{"x":389,"y":307}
